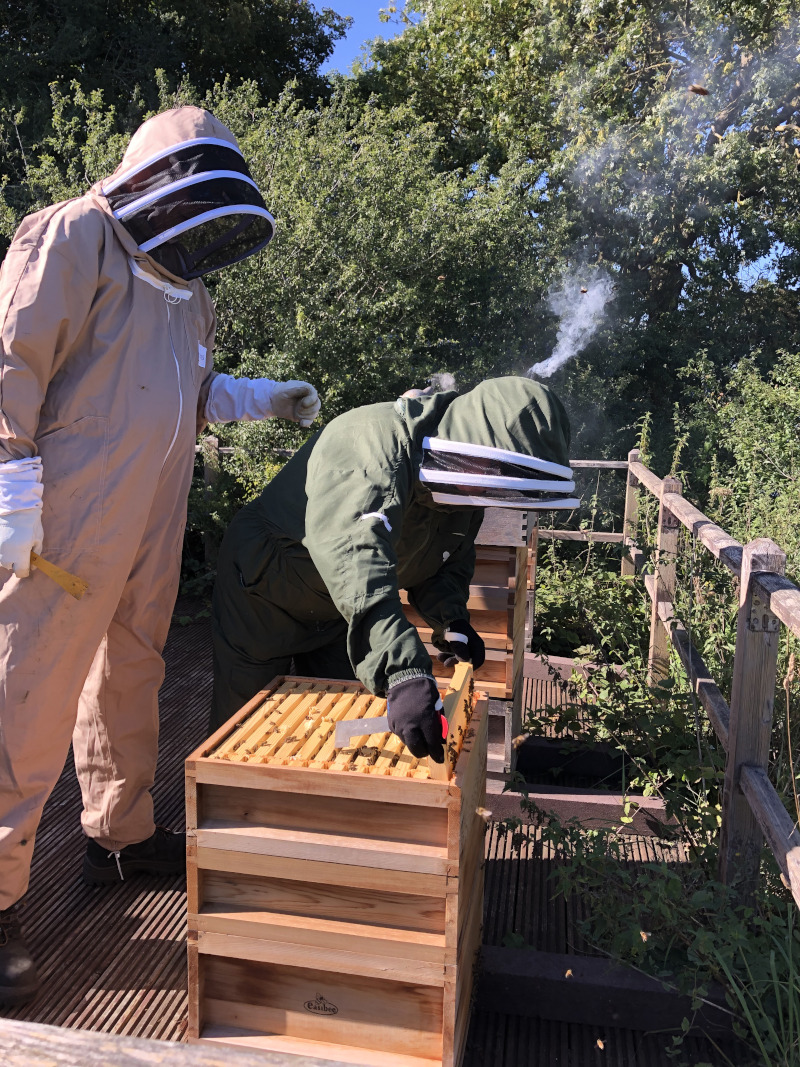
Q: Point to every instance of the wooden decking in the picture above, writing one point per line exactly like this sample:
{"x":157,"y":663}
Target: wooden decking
{"x":113,"y":959}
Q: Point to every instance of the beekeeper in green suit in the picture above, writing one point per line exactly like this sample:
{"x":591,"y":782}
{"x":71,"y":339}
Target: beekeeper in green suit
{"x":386,"y":497}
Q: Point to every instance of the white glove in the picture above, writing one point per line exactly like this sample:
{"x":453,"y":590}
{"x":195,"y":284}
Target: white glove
{"x":297,"y":401}
{"x":20,"y":513}
{"x":246,"y":400}
{"x":239,"y":399}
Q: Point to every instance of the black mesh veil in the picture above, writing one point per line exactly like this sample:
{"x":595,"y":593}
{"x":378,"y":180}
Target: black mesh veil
{"x":214,"y":244}
{"x":490,"y":479}
{"x":193,"y":210}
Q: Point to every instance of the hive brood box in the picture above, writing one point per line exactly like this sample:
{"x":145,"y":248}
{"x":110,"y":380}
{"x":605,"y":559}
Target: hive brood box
{"x":498,"y":597}
{"x":335,"y":899}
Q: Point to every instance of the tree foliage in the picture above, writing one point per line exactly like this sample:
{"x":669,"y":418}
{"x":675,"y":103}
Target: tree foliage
{"x":745,"y":434}
{"x":118,"y":47}
{"x":385,"y":268}
{"x":682,"y":196}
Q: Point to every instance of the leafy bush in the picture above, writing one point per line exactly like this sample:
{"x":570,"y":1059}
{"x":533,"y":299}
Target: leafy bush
{"x":673,"y":919}
{"x":583,"y":608}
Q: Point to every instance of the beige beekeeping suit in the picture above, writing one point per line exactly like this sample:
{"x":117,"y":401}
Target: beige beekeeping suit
{"x":101,"y":373}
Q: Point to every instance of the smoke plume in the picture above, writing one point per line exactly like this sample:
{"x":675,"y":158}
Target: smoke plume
{"x":580,"y":299}
{"x":442,"y":382}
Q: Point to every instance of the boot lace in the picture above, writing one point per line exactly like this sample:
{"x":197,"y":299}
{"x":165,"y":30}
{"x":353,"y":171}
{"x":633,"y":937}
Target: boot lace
{"x":115,"y":854}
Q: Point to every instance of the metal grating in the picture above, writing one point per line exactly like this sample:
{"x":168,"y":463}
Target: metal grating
{"x":520,"y":899}
{"x":574,"y":762}
{"x":521,"y":908}
{"x":510,"y":1041}
{"x":540,"y":693}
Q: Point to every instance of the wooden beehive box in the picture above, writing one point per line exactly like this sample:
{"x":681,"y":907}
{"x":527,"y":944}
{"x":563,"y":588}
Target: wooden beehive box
{"x":335,"y":900}
{"x":498,"y":598}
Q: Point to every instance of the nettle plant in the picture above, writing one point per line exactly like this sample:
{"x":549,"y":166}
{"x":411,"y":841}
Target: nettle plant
{"x":582,"y":608}
{"x":672,"y":918}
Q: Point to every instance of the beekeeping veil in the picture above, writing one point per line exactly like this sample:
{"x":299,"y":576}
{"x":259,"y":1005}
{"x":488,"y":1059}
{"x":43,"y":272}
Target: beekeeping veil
{"x":503,"y":444}
{"x":184,"y":193}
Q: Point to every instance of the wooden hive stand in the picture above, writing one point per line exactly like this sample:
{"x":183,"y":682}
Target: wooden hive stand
{"x":335,"y":896}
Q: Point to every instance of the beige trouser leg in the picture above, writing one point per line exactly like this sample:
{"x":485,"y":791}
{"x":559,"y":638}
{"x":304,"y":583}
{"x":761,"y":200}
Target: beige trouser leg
{"x":115,"y":741}
{"x":103,"y":652}
{"x":47,"y":643}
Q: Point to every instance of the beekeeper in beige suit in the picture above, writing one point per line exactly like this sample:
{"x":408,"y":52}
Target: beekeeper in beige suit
{"x":105,"y":378}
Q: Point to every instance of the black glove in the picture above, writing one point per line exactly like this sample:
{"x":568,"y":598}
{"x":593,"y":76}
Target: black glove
{"x":414,"y":709}
{"x":462,"y":643}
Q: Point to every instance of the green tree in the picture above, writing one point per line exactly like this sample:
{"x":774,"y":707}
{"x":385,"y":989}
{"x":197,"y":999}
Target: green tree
{"x":385,"y":267}
{"x":676,"y":192}
{"x":118,"y":47}
{"x":746,"y":448}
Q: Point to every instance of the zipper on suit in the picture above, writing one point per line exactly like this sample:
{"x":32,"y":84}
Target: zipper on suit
{"x":173,"y":300}
{"x":172,"y":295}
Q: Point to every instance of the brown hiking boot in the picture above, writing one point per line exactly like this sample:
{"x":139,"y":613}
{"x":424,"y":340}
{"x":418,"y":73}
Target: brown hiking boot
{"x":18,"y":978}
{"x":162,"y":854}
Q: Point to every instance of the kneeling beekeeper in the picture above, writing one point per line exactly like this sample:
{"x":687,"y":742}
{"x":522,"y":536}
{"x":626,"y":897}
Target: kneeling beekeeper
{"x":385,"y":497}
{"x":105,"y":375}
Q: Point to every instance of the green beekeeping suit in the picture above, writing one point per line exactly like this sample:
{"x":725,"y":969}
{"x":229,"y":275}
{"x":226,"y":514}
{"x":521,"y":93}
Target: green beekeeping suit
{"x":311,"y":570}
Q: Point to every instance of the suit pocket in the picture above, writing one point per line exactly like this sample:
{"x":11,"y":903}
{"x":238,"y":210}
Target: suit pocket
{"x":198,"y":356}
{"x":74,"y":462}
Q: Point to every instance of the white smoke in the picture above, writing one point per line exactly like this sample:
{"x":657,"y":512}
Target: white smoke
{"x":580,"y":299}
{"x":443,"y":382}
{"x":439,"y":383}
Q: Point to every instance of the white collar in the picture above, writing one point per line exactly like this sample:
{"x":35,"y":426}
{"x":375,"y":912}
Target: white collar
{"x":170,"y":291}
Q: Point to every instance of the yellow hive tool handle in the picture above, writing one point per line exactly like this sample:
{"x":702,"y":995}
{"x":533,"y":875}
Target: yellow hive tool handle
{"x":74,"y":586}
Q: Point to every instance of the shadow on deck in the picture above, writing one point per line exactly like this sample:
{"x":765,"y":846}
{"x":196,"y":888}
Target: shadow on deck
{"x":113,"y":959}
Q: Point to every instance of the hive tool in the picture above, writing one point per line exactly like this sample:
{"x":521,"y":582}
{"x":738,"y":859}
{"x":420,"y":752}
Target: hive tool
{"x":73,"y":585}
{"x":347,"y":729}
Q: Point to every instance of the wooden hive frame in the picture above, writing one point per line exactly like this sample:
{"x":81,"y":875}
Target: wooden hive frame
{"x":335,"y":906}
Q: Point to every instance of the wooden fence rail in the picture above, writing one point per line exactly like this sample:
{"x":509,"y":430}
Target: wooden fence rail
{"x":751,"y":810}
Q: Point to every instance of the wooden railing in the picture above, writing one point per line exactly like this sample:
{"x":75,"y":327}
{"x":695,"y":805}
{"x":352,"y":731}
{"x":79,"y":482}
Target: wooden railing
{"x":751,"y":809}
{"x":38,"y":1045}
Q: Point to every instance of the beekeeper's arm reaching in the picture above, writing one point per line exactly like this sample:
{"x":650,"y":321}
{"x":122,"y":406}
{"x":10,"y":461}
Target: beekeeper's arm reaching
{"x":442,"y":602}
{"x":248,"y":399}
{"x":353,"y":519}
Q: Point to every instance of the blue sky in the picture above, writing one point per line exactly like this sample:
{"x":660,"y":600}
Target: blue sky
{"x":366,"y":25}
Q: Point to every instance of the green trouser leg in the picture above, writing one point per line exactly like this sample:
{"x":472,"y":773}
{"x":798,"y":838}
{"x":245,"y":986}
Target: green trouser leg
{"x":255,"y":637}
{"x":327,"y":661}
{"x":237,"y":681}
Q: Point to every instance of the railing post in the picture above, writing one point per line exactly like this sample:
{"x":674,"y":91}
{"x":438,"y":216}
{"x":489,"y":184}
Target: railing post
{"x":631,"y":516}
{"x":663,"y":585}
{"x":752,"y":702}
{"x":533,"y":559}
{"x":518,"y":630}
{"x":210,"y":475}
